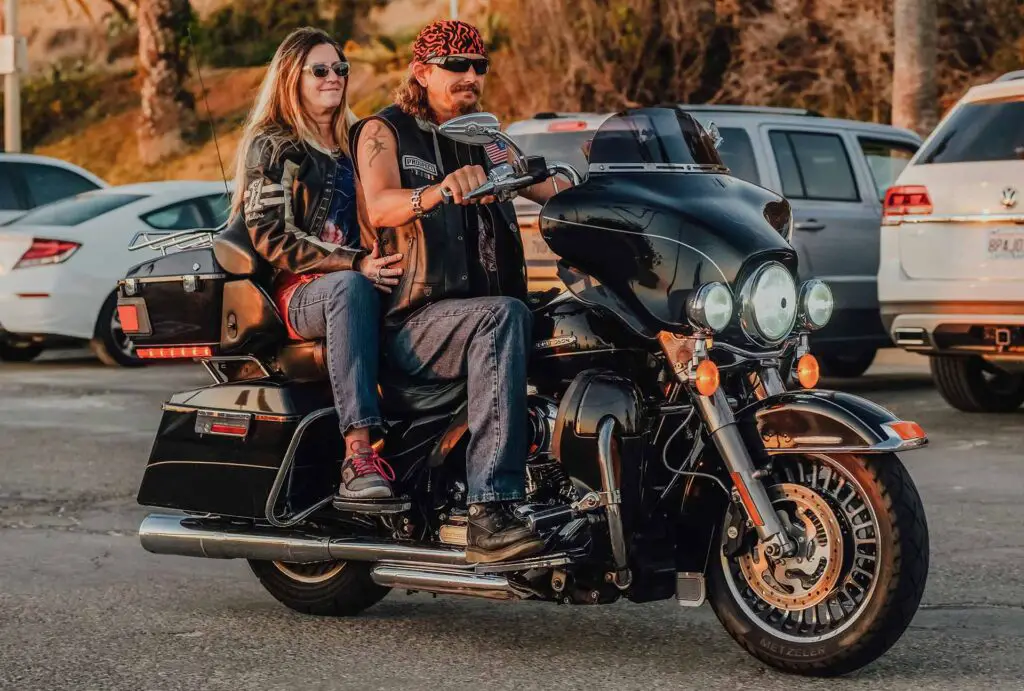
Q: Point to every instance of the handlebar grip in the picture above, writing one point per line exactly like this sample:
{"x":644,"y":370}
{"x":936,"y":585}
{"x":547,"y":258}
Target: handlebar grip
{"x":484,"y":190}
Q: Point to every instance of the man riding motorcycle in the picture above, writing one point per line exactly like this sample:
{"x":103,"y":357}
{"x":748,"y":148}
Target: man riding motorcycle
{"x":459,"y":310}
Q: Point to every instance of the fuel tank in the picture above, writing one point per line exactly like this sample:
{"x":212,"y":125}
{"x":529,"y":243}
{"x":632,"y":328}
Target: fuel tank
{"x":570,"y":337}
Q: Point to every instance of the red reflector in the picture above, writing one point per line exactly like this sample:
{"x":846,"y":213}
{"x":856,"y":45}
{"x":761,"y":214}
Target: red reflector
{"x":908,"y":200}
{"x":567,"y":126}
{"x":45,"y":251}
{"x":171,"y":353}
{"x":129,"y":318}
{"x":33,"y":295}
{"x":224,"y":428}
{"x":748,"y":502}
{"x":908,"y":430}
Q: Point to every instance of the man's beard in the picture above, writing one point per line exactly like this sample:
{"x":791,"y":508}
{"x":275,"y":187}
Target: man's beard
{"x":466,"y":108}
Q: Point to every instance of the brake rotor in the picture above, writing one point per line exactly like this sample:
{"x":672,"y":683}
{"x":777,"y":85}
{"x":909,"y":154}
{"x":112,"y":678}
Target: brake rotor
{"x":808,"y":577}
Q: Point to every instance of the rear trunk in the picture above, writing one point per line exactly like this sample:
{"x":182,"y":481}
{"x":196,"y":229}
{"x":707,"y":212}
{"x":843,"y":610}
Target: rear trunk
{"x":977,"y":220}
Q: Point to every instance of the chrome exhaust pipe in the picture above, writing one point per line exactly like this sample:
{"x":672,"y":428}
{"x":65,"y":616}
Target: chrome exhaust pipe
{"x":445,"y":582}
{"x":167,"y":534}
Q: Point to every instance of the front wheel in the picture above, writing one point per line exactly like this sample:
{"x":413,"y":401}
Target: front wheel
{"x":858,"y":576}
{"x":331,"y":589}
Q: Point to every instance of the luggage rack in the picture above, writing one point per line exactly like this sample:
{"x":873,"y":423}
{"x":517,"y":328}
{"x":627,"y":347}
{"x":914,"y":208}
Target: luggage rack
{"x":174,"y":240}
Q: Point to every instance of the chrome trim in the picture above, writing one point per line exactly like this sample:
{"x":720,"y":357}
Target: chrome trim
{"x":216,"y":374}
{"x":233,"y":465}
{"x":600,"y":168}
{"x":621,"y":577}
{"x":431,"y":581}
{"x":180,"y":240}
{"x":755,"y":354}
{"x":167,"y":534}
{"x":721,"y":423}
{"x":176,"y":279}
{"x":954,"y":218}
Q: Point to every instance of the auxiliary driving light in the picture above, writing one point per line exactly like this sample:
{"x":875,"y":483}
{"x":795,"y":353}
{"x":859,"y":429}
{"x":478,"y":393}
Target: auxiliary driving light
{"x":710,"y":307}
{"x":816,"y":304}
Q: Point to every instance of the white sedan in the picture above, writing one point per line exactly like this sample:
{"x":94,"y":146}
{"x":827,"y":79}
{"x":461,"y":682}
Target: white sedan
{"x":60,"y":263}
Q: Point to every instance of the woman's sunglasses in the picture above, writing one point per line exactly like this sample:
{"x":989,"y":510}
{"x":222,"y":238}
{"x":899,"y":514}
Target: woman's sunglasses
{"x":320,"y":70}
{"x":455,"y":63}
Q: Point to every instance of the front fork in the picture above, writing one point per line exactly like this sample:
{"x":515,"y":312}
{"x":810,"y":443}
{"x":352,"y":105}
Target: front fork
{"x":721,"y":425}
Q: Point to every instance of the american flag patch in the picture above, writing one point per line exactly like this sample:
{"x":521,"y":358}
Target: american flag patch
{"x":497,"y":152}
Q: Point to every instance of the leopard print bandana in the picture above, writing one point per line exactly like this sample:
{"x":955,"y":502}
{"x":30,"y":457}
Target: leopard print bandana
{"x":447,"y":37}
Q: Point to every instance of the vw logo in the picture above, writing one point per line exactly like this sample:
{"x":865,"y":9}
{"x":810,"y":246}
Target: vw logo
{"x":1009,"y":197}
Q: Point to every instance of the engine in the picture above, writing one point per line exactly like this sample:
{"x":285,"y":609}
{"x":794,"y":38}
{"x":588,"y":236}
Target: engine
{"x":546,"y":479}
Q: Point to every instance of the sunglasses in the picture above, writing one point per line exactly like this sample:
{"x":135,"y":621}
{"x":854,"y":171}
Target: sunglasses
{"x":455,"y":63}
{"x":320,"y":70}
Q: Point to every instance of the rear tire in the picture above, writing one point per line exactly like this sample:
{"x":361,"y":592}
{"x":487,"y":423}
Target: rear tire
{"x":22,"y":353}
{"x":885,"y":554}
{"x":974,"y":386}
{"x":110,"y":344}
{"x":847,"y":365}
{"x":327,"y":589}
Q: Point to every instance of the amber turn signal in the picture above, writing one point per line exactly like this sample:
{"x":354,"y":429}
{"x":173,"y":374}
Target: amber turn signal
{"x":707,"y":379}
{"x":908,"y":430}
{"x":807,"y":371}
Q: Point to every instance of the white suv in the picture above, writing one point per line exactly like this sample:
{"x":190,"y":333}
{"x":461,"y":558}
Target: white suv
{"x":951,"y":275}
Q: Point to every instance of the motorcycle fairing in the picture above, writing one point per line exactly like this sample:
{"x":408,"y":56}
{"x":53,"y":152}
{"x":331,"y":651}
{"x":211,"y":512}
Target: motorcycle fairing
{"x":823,"y":421}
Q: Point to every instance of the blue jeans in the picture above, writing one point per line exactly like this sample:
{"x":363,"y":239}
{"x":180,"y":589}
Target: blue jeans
{"x":485,"y":341}
{"x":344,"y":309}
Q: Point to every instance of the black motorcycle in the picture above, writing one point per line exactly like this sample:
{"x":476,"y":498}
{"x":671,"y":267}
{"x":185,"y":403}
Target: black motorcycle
{"x":672,"y":453}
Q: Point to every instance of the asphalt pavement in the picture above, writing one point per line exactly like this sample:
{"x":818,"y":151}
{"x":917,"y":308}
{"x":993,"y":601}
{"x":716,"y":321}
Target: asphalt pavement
{"x":83,"y":606}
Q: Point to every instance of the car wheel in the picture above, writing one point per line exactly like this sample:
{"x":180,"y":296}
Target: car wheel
{"x":975,"y":386}
{"x":847,"y":365}
{"x":110,"y":344}
{"x":10,"y":352}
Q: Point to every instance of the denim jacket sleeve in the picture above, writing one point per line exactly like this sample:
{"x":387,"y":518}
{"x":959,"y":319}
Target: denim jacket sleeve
{"x":271,"y":185}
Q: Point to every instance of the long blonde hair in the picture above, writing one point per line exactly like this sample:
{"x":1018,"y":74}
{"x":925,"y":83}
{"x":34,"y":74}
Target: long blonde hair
{"x":278,"y":113}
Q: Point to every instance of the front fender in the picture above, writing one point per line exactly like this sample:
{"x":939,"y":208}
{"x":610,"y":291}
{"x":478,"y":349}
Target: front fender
{"x":822,"y":421}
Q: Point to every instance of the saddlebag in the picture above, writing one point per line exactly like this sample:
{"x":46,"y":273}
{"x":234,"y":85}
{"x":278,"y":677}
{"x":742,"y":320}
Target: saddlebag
{"x":186,"y":301}
{"x":219,"y":449}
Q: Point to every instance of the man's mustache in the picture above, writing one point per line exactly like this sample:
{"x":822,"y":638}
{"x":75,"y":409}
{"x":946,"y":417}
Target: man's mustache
{"x":474,"y":88}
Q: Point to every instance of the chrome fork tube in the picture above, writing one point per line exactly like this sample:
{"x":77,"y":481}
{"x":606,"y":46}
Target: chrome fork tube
{"x":771,"y":383}
{"x":605,"y":436}
{"x":721,"y":424}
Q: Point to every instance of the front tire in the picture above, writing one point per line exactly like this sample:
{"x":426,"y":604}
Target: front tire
{"x":327,"y":589}
{"x":974,"y":386}
{"x":857,"y":596}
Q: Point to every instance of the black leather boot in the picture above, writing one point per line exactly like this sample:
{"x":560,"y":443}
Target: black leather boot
{"x":496,"y":534}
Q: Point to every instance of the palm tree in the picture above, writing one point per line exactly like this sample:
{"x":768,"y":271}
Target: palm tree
{"x":168,"y":109}
{"x":914,"y":91}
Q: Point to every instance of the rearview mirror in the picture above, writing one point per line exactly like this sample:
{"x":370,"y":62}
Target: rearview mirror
{"x":476,"y":128}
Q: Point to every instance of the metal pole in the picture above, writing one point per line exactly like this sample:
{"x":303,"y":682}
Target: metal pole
{"x":455,"y":9}
{"x":12,"y":84}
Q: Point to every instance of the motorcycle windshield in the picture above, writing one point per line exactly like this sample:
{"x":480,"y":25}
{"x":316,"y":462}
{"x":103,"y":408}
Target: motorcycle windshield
{"x":653,"y":138}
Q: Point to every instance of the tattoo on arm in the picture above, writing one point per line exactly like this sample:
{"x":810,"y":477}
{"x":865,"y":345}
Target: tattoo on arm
{"x":374,"y":143}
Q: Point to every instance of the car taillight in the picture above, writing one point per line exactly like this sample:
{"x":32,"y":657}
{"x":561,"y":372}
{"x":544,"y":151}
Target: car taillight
{"x":567,"y":126}
{"x":907,"y":201}
{"x":45,"y":251}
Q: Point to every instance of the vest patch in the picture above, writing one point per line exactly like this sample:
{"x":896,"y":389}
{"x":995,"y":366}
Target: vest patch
{"x":418,"y":165}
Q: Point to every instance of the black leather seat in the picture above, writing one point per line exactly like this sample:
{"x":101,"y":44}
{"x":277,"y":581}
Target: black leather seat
{"x":306,"y":360}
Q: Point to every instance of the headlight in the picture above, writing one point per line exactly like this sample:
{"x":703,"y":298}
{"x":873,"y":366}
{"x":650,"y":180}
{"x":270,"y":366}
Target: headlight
{"x":710,"y":307}
{"x":816,"y":304}
{"x":769,"y":304}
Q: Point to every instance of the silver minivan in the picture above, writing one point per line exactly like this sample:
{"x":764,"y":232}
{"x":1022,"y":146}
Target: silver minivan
{"x":833,"y":172}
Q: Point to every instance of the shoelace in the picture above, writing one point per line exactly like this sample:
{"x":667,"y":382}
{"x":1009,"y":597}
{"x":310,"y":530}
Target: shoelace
{"x":372,"y":464}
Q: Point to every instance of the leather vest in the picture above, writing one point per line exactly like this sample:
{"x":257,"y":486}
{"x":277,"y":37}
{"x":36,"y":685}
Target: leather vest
{"x":438,"y":259}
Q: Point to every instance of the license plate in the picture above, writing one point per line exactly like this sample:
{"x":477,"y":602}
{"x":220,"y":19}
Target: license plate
{"x":1006,"y":243}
